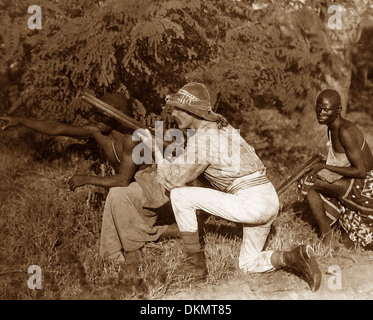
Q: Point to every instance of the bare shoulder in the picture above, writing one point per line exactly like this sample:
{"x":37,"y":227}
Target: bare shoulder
{"x":127,"y":143}
{"x":349,"y":132}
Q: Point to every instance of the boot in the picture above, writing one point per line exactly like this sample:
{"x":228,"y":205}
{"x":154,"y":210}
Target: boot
{"x":302,"y":259}
{"x":196,"y":264}
{"x":171,"y":232}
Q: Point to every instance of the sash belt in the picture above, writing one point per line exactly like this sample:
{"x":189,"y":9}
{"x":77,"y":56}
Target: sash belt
{"x":244,"y":184}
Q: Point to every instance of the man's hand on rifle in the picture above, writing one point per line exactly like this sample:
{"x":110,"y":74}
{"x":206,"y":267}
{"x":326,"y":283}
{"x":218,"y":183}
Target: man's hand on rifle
{"x":315,"y":168}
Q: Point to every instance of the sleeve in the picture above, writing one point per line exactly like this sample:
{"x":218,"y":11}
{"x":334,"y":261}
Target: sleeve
{"x":184,"y":168}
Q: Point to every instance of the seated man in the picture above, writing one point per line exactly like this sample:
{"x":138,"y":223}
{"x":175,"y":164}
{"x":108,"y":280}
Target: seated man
{"x":117,"y":147}
{"x":342,"y":188}
{"x":244,"y":193}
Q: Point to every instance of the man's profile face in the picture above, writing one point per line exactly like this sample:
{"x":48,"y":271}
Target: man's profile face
{"x":326,"y":110}
{"x":183,"y":119}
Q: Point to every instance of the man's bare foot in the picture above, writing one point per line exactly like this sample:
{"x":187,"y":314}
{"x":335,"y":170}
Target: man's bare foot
{"x":347,"y":242}
{"x":132,"y":256}
{"x":328,"y":240}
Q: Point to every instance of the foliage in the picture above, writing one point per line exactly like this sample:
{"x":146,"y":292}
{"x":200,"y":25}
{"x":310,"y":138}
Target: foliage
{"x":251,"y":60}
{"x":274,"y":57}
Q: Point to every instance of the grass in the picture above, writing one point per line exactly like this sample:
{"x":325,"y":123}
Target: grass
{"x":43,"y":223}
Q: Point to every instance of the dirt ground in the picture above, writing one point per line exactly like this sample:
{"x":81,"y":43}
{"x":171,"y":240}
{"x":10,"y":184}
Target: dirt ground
{"x":345,"y":277}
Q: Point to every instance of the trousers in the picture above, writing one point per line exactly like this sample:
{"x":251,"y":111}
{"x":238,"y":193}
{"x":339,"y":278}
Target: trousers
{"x":130,"y":214}
{"x":255,"y":207}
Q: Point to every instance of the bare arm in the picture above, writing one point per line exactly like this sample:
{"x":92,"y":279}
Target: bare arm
{"x":127,"y":170}
{"x":349,"y":139}
{"x":49,"y":127}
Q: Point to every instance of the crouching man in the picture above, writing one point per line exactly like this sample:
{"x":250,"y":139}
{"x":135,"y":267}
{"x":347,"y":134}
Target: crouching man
{"x":243,"y":192}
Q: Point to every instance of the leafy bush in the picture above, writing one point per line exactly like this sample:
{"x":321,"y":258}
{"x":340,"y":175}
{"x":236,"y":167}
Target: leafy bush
{"x":250,"y":59}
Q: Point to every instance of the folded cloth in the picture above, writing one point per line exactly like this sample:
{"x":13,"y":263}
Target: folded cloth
{"x":359,"y":195}
{"x":354,"y":211}
{"x":358,"y":227}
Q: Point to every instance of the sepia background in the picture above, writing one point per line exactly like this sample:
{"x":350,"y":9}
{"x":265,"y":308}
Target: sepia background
{"x":264,"y":63}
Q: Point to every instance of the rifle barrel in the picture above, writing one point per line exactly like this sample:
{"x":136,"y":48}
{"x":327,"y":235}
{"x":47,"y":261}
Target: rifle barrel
{"x":299,"y":173}
{"x":119,"y":116}
{"x":114,"y":113}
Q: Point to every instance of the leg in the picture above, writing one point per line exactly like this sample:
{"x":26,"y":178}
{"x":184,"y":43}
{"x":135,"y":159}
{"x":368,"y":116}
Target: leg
{"x":110,"y":244}
{"x":196,"y":266}
{"x":252,"y":257}
{"x":257,"y":208}
{"x":316,"y":204}
{"x":301,"y":259}
{"x":347,"y":241}
{"x":126,"y":224}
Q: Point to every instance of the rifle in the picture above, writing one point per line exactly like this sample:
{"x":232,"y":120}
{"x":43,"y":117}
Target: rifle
{"x":114,"y":113}
{"x":299,"y":173}
{"x":119,"y":116}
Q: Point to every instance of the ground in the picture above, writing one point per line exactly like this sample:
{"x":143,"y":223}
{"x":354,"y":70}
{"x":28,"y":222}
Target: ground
{"x":40,"y":230}
{"x":345,"y":277}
